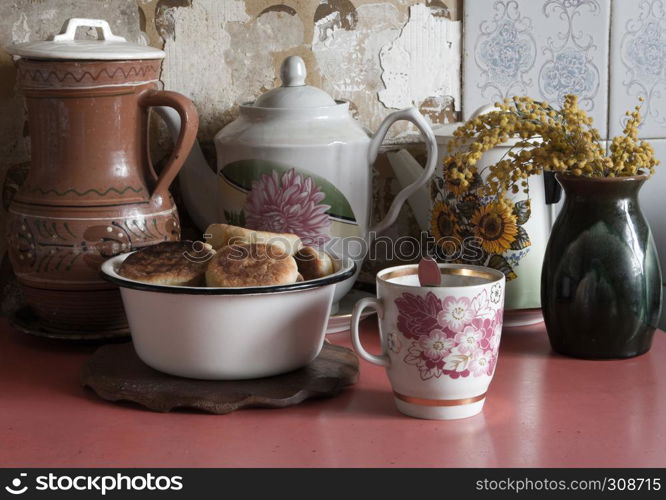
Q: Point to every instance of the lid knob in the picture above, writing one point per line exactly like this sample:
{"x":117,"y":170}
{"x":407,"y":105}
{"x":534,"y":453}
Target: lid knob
{"x":293,"y":72}
{"x":294,"y":93}
{"x":69,"y":32}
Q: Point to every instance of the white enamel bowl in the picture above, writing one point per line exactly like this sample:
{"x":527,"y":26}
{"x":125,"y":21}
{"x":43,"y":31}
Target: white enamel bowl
{"x":227,"y":333}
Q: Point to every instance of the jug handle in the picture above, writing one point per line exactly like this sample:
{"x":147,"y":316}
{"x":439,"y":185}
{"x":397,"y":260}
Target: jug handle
{"x":189,"y":120}
{"x":411,"y":115}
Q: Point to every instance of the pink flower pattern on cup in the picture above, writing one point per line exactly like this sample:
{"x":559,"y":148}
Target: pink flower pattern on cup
{"x":457,"y":336}
{"x":290,"y":204}
{"x":394,"y":343}
{"x":468,"y":340}
{"x":455,"y":313}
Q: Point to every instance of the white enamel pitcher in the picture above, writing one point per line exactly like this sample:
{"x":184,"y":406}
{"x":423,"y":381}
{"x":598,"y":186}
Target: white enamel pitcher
{"x":296,"y":161}
{"x":521,"y":262}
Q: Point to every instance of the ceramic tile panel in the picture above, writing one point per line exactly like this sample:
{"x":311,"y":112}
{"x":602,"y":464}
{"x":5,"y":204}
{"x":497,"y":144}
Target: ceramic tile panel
{"x":638,"y":64}
{"x":541,"y":48}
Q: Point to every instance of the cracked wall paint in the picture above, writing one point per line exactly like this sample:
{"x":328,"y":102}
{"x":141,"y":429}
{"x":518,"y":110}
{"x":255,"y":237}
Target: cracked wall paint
{"x":252,"y":65}
{"x":194,"y":64}
{"x":423,"y":62}
{"x":348,"y":59}
{"x":340,"y":40}
{"x":231,"y":62}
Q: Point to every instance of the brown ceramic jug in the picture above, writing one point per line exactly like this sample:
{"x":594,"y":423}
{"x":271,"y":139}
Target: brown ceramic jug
{"x":91,"y":191}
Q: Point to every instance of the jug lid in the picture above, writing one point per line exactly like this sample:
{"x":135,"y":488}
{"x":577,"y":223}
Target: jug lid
{"x":294,"y":93}
{"x":64,"y":46}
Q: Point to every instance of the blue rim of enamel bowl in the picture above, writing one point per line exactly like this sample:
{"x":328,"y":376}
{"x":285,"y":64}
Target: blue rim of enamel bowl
{"x":109,"y":273}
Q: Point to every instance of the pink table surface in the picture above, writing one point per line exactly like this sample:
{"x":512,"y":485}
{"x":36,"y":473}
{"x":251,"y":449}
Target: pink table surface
{"x":543,"y":410}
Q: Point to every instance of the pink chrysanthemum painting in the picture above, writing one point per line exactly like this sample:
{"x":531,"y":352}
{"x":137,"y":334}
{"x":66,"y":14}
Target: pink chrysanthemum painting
{"x":289,"y":204}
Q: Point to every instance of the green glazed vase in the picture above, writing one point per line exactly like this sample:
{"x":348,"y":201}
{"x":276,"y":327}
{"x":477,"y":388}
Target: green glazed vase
{"x":601,"y":282}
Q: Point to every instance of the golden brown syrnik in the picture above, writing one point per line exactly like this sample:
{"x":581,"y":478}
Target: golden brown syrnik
{"x":254,"y":264}
{"x":227,"y":264}
{"x":176,"y":263}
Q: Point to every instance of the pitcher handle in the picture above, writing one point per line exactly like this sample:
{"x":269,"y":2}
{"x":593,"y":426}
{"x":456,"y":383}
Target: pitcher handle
{"x":411,"y":115}
{"x":189,"y":120}
{"x":376,"y":304}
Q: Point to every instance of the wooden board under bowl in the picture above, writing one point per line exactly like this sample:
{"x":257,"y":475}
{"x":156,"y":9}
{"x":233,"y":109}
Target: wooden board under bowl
{"x":116,"y":374}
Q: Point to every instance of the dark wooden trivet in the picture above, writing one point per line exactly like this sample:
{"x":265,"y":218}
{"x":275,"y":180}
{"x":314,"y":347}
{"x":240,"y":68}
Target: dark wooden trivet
{"x":116,"y":373}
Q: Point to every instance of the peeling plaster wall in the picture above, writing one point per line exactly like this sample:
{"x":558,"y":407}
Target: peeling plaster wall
{"x":348,"y":59}
{"x":377,"y":54}
{"x":420,"y":64}
{"x":227,"y":65}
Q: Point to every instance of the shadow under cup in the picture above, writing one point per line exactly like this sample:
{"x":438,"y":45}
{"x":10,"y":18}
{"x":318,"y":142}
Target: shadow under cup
{"x":439,"y":343}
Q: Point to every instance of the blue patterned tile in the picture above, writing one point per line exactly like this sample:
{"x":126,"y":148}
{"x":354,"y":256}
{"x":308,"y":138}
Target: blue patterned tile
{"x":638,"y":64}
{"x":504,"y":52}
{"x":544,"y":49}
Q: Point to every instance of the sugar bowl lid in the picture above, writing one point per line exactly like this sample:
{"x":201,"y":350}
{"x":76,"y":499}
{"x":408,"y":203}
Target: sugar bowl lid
{"x":294,"y":93}
{"x":65,"y":47}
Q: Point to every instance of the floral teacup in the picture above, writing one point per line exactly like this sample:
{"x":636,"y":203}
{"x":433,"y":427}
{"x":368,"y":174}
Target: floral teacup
{"x":439,"y":343}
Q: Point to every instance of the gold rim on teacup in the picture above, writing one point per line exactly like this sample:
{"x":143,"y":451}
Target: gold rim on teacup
{"x":486,"y":273}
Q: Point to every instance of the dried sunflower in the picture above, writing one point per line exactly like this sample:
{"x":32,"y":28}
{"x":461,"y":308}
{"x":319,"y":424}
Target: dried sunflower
{"x":443,"y":223}
{"x":496,"y":226}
